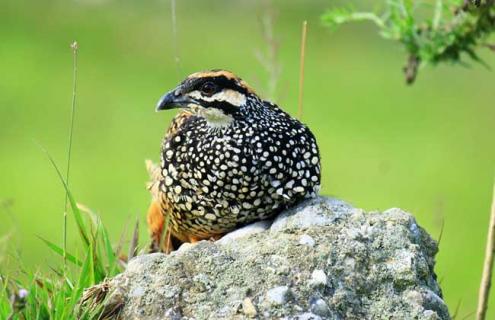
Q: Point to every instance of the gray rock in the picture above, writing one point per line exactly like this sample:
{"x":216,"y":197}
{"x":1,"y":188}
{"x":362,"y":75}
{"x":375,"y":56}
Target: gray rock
{"x":318,"y":278}
{"x":361,"y":266}
{"x":311,"y":213}
{"x":306,"y":240}
{"x":320,"y":307}
{"x":307,"y":316}
{"x":248,"y":230}
{"x":248,"y":308}
{"x":278,"y":295}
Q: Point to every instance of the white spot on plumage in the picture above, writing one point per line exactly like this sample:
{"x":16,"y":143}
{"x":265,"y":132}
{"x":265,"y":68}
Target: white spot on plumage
{"x":275,"y":183}
{"x":299,"y":189}
{"x":289,"y":184}
{"x":210,"y":216}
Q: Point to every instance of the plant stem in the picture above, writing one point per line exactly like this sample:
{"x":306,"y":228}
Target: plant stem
{"x":269,"y":58}
{"x":484,"y":292}
{"x":133,"y":247}
{"x":301,"y":69}
{"x":174,"y":38}
{"x":74,"y":46}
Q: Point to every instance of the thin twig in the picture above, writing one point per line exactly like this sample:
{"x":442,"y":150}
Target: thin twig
{"x":456,"y":311}
{"x":468,"y":315}
{"x":411,"y":68}
{"x":166,"y":236}
{"x":484,"y":292}
{"x":169,"y":239}
{"x":120,"y":244}
{"x":437,"y":16}
{"x":490,"y":46}
{"x":301,"y":70}
{"x":6,"y":206}
{"x":269,"y":57}
{"x":441,"y":233}
{"x":74,"y":46}
{"x":134,"y":242}
{"x":174,"y":36}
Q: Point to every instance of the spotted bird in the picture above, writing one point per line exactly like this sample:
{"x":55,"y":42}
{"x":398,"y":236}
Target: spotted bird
{"x":228,"y":158}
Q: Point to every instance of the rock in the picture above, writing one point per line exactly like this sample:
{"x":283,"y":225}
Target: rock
{"x":309,"y":213}
{"x":320,"y":307}
{"x":318,"y":278}
{"x":248,"y":230}
{"x":306,"y":240}
{"x":307,"y":316}
{"x":358,"y":266}
{"x":278,"y":295}
{"x":248,"y":308}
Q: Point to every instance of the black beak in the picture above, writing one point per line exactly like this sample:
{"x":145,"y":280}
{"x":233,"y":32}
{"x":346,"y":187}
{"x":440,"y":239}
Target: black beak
{"x":173,"y":99}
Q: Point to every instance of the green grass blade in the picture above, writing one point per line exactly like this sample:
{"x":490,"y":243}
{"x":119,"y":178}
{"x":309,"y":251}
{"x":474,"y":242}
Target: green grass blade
{"x":4,"y":299}
{"x":83,"y":281}
{"x":98,"y":259}
{"x":110,"y":254}
{"x":91,"y":279}
{"x":96,"y":239}
{"x":83,"y":231}
{"x":60,"y":251}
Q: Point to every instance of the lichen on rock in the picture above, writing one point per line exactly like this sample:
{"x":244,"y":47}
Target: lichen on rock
{"x":322,"y":259}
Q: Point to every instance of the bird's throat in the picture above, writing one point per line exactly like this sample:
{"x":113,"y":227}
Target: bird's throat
{"x":215,"y":118}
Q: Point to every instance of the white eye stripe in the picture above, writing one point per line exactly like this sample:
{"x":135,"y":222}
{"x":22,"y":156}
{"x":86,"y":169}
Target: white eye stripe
{"x":228,"y":95}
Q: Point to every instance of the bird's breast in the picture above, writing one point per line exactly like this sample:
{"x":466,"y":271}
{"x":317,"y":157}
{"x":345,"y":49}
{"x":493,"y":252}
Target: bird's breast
{"x":219,"y":179}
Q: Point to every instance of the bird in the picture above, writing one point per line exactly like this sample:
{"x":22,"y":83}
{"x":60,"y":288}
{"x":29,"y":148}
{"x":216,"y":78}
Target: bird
{"x":228,"y":158}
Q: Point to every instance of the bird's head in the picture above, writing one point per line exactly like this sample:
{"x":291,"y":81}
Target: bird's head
{"x":216,"y":95}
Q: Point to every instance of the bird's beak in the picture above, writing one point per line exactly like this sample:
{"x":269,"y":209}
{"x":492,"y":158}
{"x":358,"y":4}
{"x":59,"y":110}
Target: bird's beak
{"x":173,"y":99}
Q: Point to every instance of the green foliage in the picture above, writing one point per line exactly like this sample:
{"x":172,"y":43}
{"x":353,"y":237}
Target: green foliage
{"x":444,"y":32}
{"x":57,"y":297}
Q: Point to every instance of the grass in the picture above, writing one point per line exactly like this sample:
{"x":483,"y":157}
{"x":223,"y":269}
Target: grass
{"x":74,"y":47}
{"x":57,"y":296}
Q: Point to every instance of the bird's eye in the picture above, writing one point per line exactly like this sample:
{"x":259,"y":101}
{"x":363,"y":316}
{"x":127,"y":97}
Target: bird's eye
{"x":208,"y":88}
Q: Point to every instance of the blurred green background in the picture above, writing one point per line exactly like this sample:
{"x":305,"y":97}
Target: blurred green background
{"x":429,"y":148}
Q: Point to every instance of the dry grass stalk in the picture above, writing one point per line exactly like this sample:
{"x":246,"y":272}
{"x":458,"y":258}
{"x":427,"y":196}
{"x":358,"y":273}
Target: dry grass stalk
{"x":100,"y":302}
{"x":174,"y":36}
{"x":301,"y":69}
{"x":133,"y":247}
{"x":74,"y":46}
{"x":268,"y":58}
{"x":484,"y":292}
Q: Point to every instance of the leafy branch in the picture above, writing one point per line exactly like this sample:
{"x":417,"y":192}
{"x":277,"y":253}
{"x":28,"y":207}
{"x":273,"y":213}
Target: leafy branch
{"x":447,"y":32}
